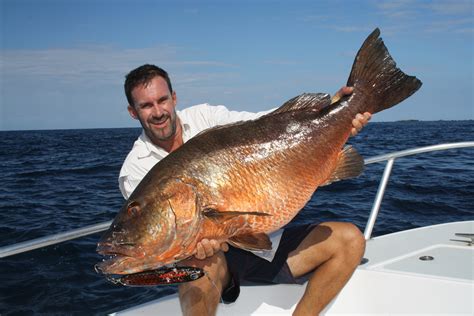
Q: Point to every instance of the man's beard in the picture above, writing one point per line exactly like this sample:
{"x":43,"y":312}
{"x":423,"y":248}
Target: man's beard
{"x":166,"y":133}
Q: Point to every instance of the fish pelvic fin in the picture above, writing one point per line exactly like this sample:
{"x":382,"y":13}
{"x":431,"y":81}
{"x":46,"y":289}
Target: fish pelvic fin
{"x":350,"y":164}
{"x":252,"y":242}
{"x":309,"y":101}
{"x":378,"y":83}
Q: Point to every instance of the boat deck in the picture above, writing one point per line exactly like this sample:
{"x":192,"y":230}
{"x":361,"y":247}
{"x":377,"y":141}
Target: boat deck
{"x":393,"y":280}
{"x":396,"y":279}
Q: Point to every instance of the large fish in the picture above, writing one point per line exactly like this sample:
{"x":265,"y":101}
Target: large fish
{"x":239,"y":182}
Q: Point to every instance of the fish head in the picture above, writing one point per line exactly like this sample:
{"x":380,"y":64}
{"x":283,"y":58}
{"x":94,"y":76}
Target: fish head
{"x":147,"y":229}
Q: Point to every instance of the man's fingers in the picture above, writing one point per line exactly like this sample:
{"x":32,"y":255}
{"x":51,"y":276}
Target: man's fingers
{"x":367,"y":116}
{"x":355,"y":129}
{"x":207,"y":248}
{"x":200,"y":254}
{"x":224,"y":247}
{"x":342,"y":92}
{"x":346,"y":90}
{"x":216,"y":246}
{"x":359,"y":122}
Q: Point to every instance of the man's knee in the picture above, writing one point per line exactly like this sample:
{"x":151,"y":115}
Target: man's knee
{"x":350,"y":238}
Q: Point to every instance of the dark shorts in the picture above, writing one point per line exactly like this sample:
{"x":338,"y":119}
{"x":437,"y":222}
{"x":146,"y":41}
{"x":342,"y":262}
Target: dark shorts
{"x":246,"y":268}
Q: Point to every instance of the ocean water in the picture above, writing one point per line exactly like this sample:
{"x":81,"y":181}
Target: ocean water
{"x":54,"y":181}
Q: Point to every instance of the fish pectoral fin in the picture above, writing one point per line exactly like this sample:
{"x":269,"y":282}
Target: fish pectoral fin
{"x":350,"y":164}
{"x":253,"y":242}
{"x":216,"y":214}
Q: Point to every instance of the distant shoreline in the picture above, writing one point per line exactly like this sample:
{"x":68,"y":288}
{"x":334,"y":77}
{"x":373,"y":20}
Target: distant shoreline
{"x":139,"y":127}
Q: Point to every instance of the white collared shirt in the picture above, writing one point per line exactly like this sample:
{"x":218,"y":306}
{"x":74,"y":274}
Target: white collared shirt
{"x":144,"y":154}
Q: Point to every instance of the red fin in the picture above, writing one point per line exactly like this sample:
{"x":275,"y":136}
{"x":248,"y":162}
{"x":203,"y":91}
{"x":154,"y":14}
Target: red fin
{"x":349,"y":165}
{"x":257,"y":241}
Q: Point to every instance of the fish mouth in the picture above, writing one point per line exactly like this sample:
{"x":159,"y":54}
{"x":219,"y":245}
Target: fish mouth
{"x":119,"y":259}
{"x":114,"y":249}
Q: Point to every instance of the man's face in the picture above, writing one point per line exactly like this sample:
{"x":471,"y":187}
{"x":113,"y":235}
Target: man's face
{"x":154,"y":106}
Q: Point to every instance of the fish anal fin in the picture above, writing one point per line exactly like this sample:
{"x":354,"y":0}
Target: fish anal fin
{"x":350,"y":164}
{"x":253,"y":242}
{"x":310,"y":101}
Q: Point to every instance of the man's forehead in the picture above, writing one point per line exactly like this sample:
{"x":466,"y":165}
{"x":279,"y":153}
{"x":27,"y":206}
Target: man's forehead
{"x":157,"y":80}
{"x":157,"y":85}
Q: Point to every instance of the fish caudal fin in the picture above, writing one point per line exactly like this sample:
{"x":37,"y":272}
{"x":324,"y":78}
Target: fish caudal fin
{"x":349,"y":165}
{"x":254,"y":242}
{"x":378,"y":83}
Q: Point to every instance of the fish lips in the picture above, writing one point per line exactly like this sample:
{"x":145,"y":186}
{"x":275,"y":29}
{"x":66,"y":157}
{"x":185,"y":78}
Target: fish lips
{"x":118,"y":258}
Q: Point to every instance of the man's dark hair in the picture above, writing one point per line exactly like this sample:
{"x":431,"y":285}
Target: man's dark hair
{"x":142,"y":76}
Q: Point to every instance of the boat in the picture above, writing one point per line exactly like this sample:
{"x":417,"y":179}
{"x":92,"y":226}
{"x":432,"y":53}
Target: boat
{"x":425,"y":270}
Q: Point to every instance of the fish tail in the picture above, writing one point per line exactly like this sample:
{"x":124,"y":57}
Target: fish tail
{"x":378,"y":83}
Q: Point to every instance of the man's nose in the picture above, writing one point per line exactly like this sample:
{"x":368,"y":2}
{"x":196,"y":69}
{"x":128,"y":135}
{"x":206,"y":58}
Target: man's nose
{"x":157,"y":109}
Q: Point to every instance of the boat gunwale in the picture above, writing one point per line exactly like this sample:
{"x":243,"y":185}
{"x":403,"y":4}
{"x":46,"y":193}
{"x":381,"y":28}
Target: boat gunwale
{"x":41,"y":242}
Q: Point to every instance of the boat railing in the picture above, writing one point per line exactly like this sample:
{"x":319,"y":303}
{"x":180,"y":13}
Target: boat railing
{"x":389,"y":158}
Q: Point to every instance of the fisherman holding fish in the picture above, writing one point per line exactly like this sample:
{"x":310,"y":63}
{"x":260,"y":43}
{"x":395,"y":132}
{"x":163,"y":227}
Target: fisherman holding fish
{"x":325,"y":254}
{"x":205,"y":177}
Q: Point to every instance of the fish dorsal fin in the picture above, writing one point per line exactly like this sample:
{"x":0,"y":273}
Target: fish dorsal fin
{"x":311,"y":101}
{"x":349,"y":165}
{"x":252,"y":242}
{"x":212,"y":213}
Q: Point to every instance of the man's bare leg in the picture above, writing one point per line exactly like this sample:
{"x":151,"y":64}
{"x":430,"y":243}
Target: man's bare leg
{"x":333,"y":250}
{"x":202,"y":296}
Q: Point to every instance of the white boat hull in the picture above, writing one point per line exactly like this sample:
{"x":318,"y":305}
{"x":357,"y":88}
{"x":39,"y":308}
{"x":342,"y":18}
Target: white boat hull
{"x":393,"y":281}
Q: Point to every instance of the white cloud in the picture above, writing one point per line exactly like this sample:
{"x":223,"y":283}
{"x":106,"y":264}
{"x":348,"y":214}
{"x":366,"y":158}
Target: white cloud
{"x":451,"y":7}
{"x":98,"y":64}
{"x":434,"y":16}
{"x":57,"y":88}
{"x":351,"y":29}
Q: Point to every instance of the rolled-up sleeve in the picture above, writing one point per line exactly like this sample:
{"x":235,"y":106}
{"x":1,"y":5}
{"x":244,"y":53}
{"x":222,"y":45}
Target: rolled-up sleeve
{"x":222,"y":115}
{"x":127,"y":184}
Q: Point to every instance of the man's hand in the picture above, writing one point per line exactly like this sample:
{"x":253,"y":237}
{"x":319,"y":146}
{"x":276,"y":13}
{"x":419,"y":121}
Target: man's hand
{"x":360,"y":119}
{"x":342,"y":92}
{"x":207,"y":248}
{"x":359,"y":122}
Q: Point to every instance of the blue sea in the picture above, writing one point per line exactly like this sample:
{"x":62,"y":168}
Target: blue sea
{"x":58,"y":180}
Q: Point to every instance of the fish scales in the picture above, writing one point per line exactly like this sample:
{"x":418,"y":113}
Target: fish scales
{"x":238,"y":182}
{"x":280,"y":194}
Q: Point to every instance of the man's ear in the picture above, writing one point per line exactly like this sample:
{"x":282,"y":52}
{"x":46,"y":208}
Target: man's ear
{"x":132,"y":112}
{"x":175,"y":99}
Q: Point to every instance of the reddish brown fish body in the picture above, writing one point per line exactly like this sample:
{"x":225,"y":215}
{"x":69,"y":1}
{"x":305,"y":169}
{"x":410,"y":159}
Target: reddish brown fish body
{"x":238,"y":182}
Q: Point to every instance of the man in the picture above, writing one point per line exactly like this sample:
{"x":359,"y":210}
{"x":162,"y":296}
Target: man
{"x":325,"y":255}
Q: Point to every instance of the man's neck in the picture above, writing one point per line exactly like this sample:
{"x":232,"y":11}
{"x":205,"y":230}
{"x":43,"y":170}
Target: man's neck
{"x":174,"y":142}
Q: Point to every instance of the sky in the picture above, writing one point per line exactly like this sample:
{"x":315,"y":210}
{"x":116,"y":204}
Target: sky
{"x":63,"y":63}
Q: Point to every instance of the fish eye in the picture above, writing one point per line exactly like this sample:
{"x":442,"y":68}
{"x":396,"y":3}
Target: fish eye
{"x":133,"y":208}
